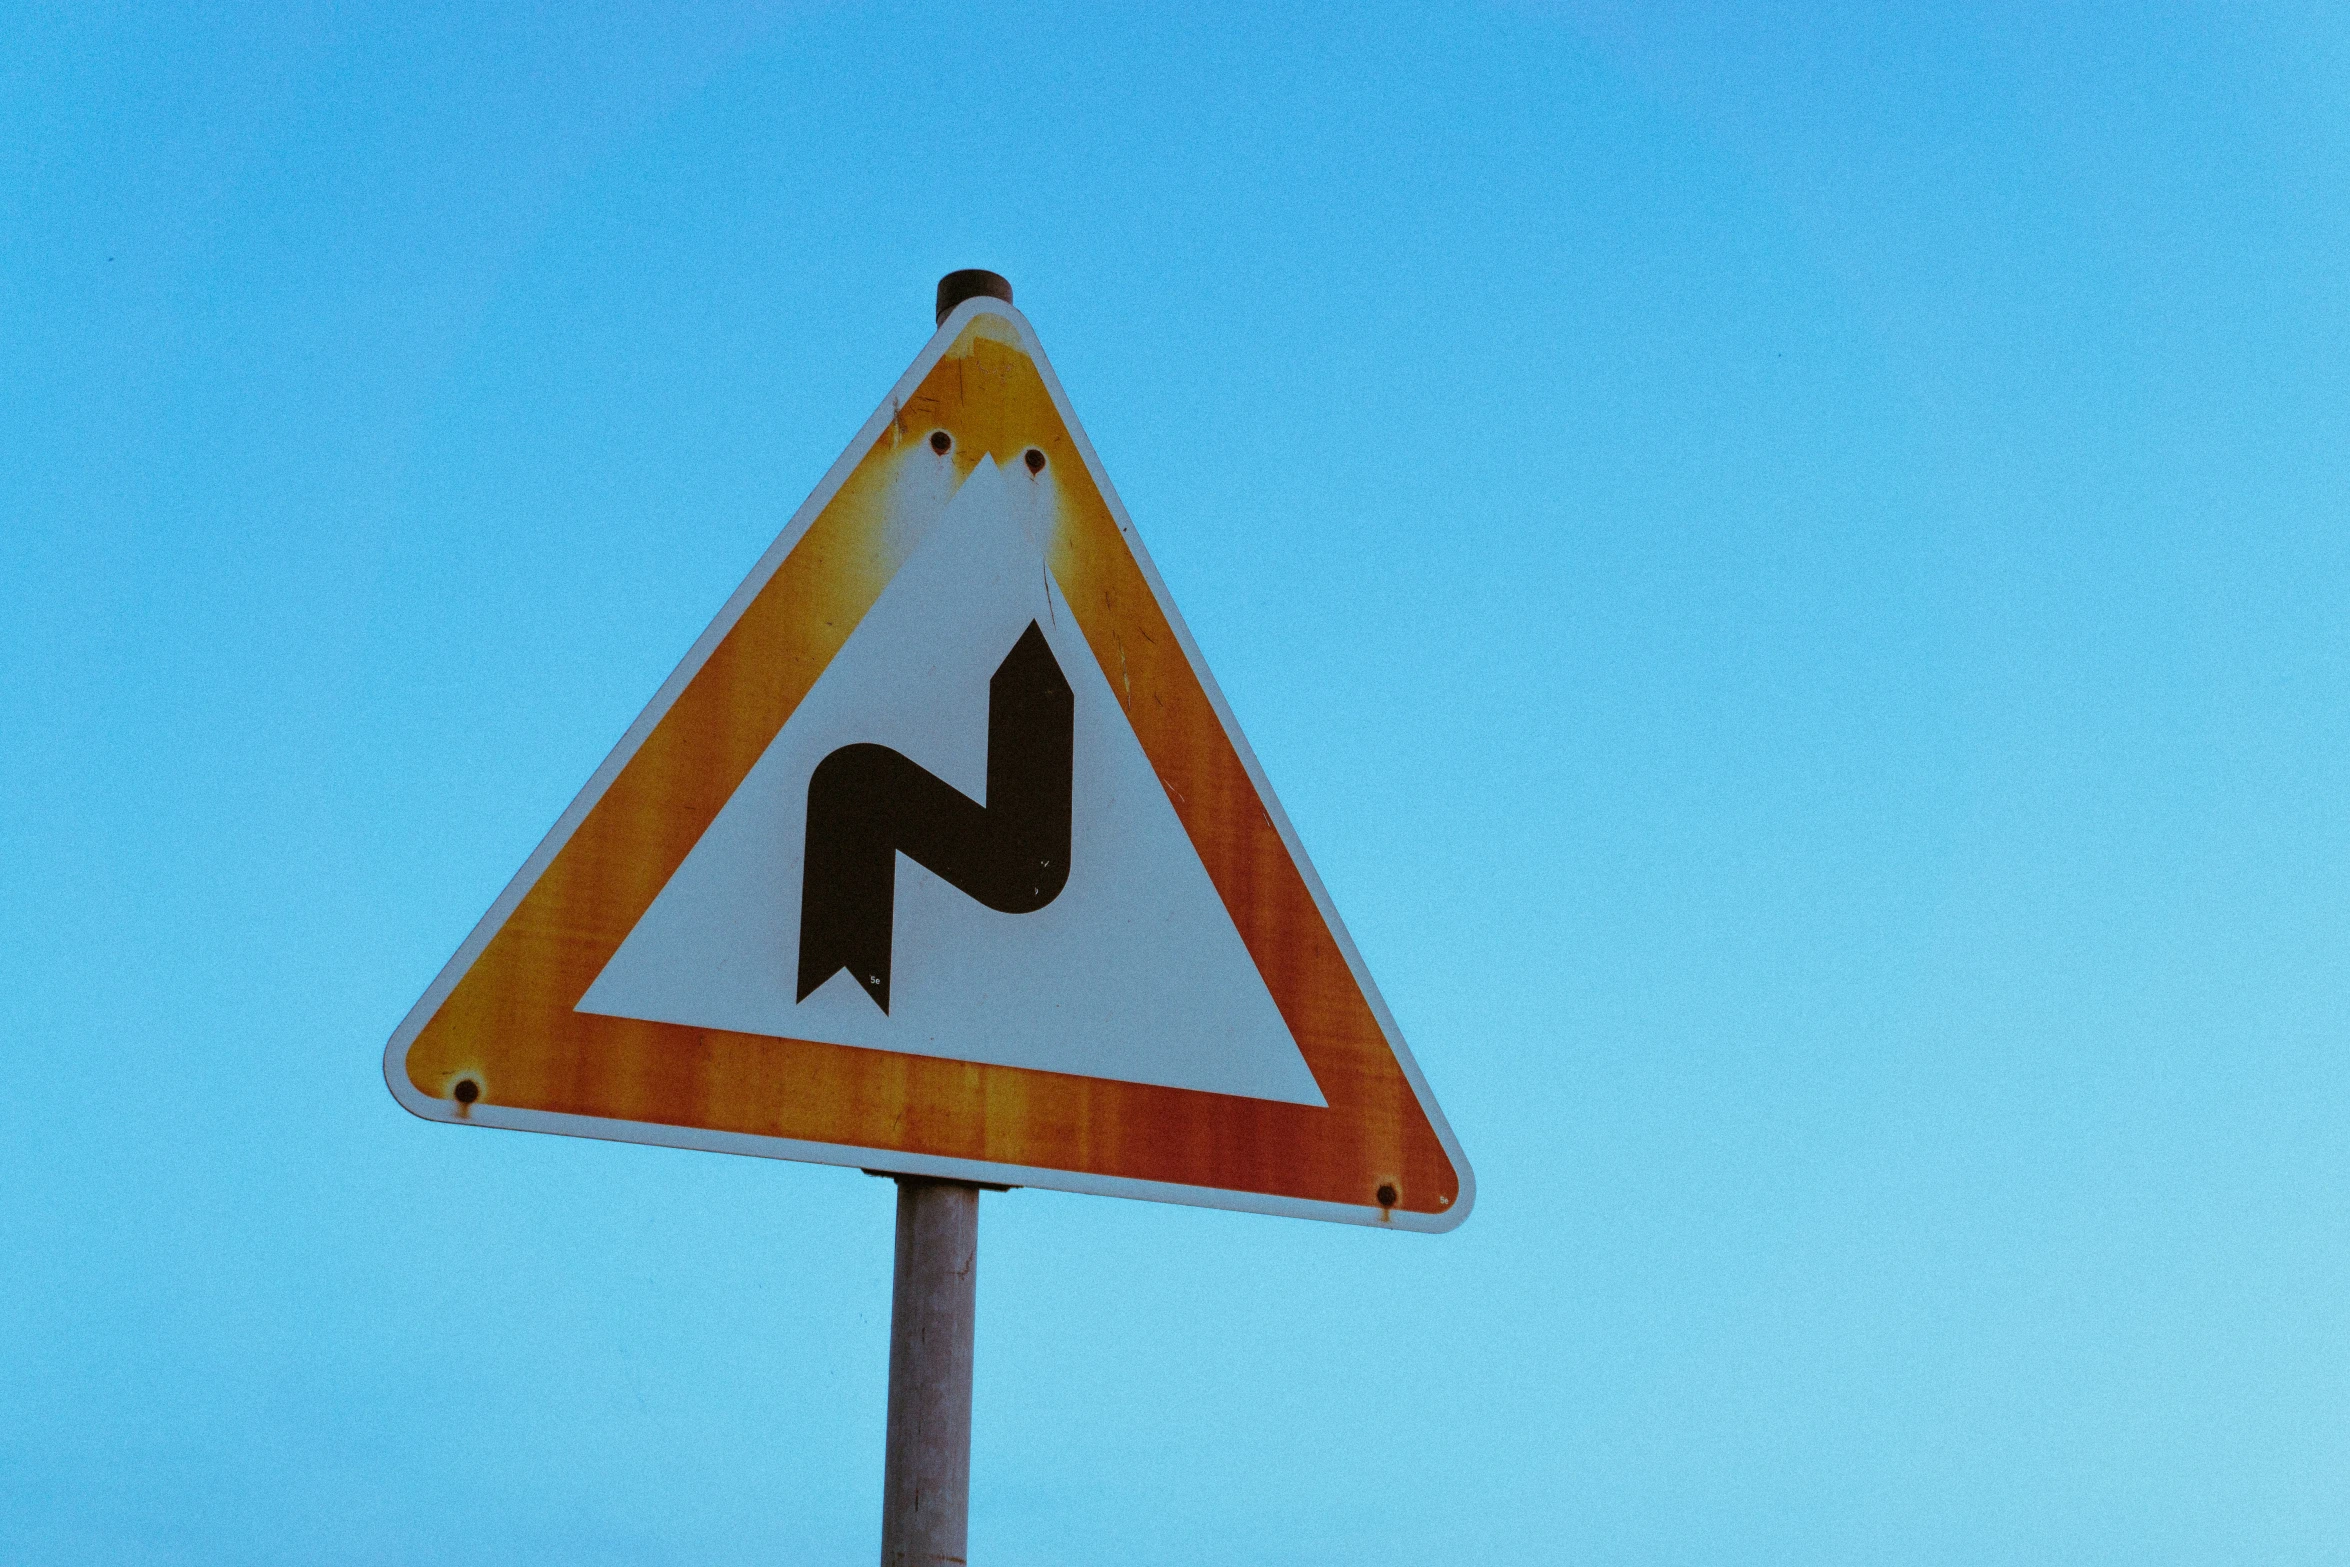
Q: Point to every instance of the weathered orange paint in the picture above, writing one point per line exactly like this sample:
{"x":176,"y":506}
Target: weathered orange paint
{"x":509,"y":1024}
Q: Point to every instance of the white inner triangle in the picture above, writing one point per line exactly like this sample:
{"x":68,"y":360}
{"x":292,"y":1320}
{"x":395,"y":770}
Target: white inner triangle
{"x":1135,"y":972}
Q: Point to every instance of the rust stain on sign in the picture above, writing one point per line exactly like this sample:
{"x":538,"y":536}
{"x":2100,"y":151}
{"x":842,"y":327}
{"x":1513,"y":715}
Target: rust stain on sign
{"x":510,"y":1021}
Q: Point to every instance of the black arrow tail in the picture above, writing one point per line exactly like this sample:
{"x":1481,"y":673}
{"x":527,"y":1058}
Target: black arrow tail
{"x":868,"y":803}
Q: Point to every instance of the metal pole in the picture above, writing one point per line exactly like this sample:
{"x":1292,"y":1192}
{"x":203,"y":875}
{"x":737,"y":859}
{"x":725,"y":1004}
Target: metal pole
{"x":933,"y":1298}
{"x":926,"y":1476}
{"x":971,"y":283}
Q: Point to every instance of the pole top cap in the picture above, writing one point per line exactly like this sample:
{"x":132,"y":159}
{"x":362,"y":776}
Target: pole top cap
{"x":971,"y":283}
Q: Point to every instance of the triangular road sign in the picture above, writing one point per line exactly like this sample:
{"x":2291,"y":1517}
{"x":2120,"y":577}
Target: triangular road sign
{"x":941,"y":854}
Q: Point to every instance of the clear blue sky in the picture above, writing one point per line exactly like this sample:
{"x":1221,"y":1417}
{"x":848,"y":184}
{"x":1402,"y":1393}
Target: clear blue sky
{"x":1791,"y":573}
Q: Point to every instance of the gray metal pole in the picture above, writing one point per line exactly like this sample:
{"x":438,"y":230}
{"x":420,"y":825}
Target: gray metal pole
{"x":926,"y":1477}
{"x":933,"y":1300}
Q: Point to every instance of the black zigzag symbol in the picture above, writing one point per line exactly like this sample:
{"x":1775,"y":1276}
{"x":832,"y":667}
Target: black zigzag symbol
{"x":867,"y":804}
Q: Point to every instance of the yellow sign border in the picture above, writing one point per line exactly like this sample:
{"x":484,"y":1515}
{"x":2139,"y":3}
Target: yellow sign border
{"x":496,"y":1040}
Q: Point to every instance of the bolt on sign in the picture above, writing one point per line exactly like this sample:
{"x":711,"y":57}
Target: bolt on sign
{"x":941,"y":854}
